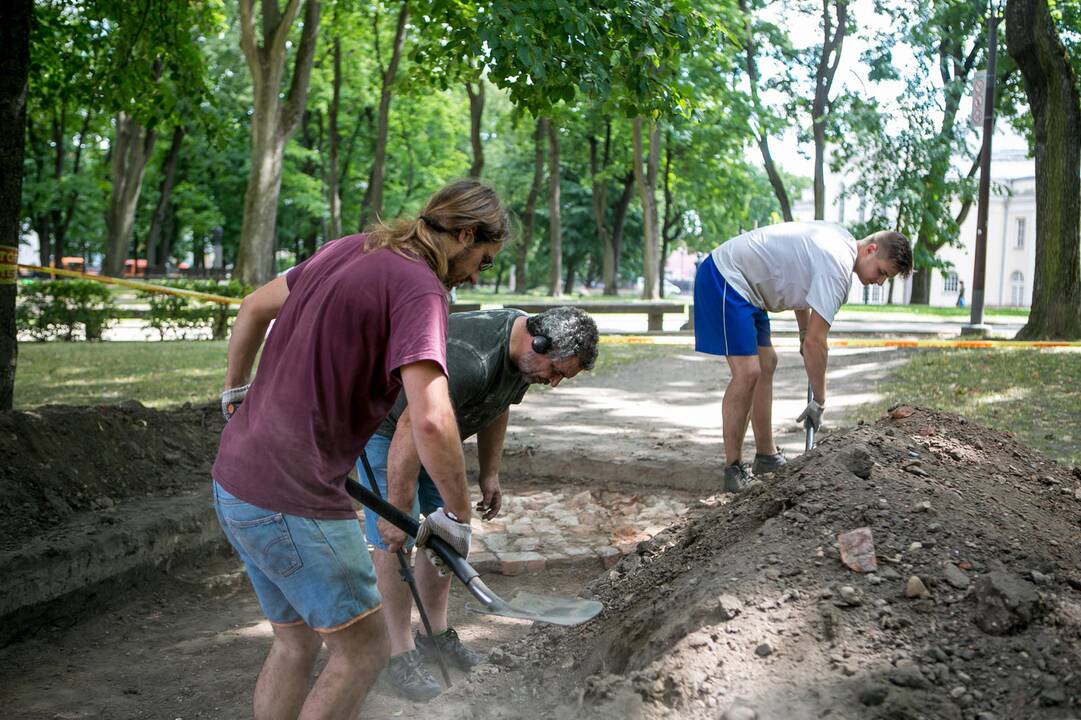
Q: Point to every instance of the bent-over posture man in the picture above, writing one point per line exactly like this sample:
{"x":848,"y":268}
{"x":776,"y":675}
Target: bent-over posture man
{"x":363,"y":317}
{"x":492,"y":357}
{"x":801,"y":266}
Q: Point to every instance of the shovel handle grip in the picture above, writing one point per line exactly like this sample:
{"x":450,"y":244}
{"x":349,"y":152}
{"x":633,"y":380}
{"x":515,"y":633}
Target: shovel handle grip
{"x":409,"y":526}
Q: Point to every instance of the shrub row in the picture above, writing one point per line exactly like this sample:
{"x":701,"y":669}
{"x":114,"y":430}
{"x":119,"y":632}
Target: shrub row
{"x":82,"y":309}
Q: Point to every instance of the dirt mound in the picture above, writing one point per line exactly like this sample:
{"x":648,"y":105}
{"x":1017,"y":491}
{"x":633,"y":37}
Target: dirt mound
{"x":62,"y":460}
{"x":749,"y":612}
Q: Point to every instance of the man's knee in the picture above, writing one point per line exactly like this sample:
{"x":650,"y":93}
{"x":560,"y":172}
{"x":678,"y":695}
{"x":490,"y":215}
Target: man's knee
{"x":299,"y":642}
{"x":364,"y":643}
{"x":767,"y":361}
{"x":745,"y":370}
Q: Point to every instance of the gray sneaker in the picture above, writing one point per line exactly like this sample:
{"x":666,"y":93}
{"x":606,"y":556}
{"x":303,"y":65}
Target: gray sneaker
{"x":450,"y":645}
{"x":737,"y":477}
{"x":409,"y":678}
{"x":768,"y":463}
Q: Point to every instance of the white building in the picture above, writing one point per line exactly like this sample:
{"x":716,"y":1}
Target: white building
{"x":1011,"y":239}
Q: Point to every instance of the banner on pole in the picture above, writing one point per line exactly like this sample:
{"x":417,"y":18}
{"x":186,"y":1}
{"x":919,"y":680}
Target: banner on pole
{"x":979,"y":93}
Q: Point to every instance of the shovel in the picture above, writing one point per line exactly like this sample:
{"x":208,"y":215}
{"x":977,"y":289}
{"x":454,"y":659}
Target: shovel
{"x":524,"y":605}
{"x":810,"y":441}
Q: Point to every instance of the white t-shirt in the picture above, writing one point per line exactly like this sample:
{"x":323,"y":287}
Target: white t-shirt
{"x":791,"y":266}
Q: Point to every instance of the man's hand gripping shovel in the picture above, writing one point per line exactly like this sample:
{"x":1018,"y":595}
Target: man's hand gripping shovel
{"x":524,"y":605}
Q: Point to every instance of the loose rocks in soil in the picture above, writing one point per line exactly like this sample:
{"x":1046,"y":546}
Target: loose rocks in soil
{"x":974,"y":610}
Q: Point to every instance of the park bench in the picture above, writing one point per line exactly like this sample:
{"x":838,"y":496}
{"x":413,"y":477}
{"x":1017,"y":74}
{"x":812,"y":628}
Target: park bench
{"x":655,"y":310}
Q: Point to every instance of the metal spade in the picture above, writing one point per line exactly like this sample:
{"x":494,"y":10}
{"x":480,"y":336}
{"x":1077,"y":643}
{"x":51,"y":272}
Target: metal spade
{"x":524,"y":605}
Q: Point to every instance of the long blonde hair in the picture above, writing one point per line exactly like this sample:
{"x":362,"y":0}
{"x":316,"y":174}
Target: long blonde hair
{"x":461,"y":205}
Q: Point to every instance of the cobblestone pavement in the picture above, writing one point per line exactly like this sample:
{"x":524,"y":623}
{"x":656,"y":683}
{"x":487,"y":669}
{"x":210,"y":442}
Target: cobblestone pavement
{"x":539,"y":528}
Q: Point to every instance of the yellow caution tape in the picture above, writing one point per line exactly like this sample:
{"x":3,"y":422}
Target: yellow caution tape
{"x":8,"y":257}
{"x":868,"y":343}
{"x":147,"y":287}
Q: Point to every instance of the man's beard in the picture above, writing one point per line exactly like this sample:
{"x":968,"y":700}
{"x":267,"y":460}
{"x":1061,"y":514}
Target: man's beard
{"x":456,"y":273}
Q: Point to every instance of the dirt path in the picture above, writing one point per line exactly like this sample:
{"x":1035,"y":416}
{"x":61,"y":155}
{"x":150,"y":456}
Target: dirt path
{"x":666,"y":412}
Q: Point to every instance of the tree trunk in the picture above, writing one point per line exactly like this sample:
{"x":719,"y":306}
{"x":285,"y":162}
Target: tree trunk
{"x":619,"y":221}
{"x":568,"y":282}
{"x":647,"y":189}
{"x":476,"y":113}
{"x":1033,"y":42}
{"x":829,"y":57}
{"x":555,"y":228}
{"x":954,"y":68}
{"x":775,"y":180}
{"x":372,"y":207}
{"x":599,"y":193}
{"x":334,"y":197}
{"x":61,"y":230}
{"x":529,"y":215}
{"x":155,"y":260}
{"x":15,"y":18}
{"x":670,"y":226}
{"x":130,"y":150}
{"x":273,"y":122}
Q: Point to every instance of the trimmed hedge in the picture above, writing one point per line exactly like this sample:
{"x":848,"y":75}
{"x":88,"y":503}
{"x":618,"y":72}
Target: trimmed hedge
{"x":175,"y":317}
{"x":64,"y":309}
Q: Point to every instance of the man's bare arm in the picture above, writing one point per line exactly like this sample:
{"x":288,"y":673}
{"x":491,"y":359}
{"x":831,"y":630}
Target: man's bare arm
{"x":816,"y":355}
{"x":255,"y":315}
{"x":435,"y":432}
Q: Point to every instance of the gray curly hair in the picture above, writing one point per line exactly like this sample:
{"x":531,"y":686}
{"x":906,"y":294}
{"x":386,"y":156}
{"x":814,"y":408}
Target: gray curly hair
{"x":571,"y":331}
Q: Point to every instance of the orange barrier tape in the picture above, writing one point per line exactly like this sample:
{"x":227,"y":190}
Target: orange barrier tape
{"x":8,"y":258}
{"x":147,"y":287}
{"x":868,"y":343}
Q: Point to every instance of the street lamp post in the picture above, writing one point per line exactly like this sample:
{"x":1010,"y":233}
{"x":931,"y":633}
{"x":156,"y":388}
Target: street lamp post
{"x":976,"y":324}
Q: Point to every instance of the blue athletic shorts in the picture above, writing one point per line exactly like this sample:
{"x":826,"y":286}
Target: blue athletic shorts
{"x":315,"y":572}
{"x":427,"y":499}
{"x":724,"y":322}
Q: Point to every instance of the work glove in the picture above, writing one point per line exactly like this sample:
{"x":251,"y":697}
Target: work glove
{"x":231,"y":399}
{"x":446,"y":527}
{"x":812,"y":414}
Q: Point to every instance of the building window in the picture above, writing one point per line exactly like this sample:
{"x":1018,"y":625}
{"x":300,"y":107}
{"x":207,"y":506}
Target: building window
{"x":1019,"y":244}
{"x":951,"y":283}
{"x":1017,"y":288}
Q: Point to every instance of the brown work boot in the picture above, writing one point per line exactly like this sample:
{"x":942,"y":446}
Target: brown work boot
{"x":737,"y":477}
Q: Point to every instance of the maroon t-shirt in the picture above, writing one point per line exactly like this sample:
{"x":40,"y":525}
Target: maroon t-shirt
{"x":328,"y":375}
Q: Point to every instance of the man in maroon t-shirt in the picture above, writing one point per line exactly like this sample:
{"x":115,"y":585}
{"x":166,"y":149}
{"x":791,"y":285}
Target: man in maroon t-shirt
{"x":362,"y":318}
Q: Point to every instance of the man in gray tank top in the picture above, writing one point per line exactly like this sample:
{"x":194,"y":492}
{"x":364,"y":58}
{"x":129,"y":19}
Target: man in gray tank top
{"x":493,"y":356}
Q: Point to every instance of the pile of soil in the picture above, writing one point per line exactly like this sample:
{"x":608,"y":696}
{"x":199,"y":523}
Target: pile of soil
{"x":749,"y":612}
{"x":62,"y":460}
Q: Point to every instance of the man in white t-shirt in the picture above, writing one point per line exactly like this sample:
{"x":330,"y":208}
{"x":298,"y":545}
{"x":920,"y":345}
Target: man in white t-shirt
{"x":802,"y":266}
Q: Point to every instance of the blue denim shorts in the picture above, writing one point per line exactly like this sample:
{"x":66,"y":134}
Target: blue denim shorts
{"x":427,"y":499}
{"x":316,"y":572}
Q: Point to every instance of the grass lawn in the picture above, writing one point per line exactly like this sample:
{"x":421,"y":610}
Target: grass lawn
{"x":160,"y":374}
{"x":1019,"y":312}
{"x":157,"y":374}
{"x":1033,"y":393}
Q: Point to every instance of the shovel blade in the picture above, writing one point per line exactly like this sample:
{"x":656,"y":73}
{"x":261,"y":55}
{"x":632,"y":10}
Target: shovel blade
{"x":542,"y":608}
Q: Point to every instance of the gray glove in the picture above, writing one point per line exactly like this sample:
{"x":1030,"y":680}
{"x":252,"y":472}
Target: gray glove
{"x":812,"y":414}
{"x":231,"y":399}
{"x":446,"y":527}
